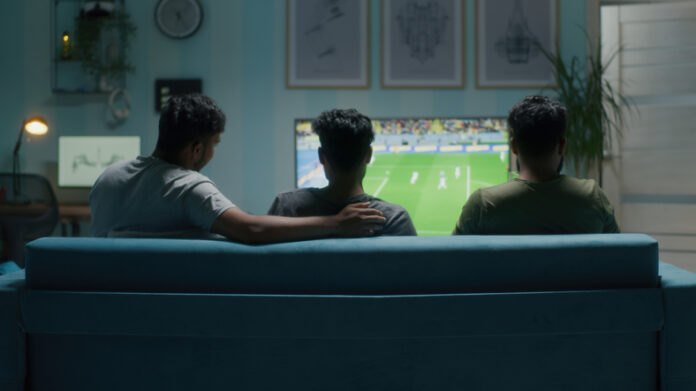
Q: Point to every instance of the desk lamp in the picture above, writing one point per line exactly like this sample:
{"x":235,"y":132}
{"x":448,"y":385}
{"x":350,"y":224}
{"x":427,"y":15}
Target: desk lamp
{"x":36,"y":126}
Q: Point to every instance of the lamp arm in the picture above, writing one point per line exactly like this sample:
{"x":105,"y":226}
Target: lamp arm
{"x":19,"y":140}
{"x":15,"y":164}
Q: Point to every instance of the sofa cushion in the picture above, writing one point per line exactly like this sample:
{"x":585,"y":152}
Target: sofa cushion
{"x":381,"y":265}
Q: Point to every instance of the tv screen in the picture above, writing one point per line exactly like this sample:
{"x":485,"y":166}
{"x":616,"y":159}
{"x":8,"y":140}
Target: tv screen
{"x":430,"y":166}
{"x":81,"y":159}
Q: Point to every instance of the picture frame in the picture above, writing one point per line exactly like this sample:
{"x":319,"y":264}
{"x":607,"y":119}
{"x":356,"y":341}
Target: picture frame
{"x":506,"y":53}
{"x":327,"y":44}
{"x":418,"y":55}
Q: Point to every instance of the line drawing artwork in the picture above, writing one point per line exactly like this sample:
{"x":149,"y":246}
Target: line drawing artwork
{"x":518,"y":45}
{"x":327,"y":43}
{"x":83,"y":160}
{"x":422,"y":27}
{"x":322,"y":32}
{"x":422,"y":44}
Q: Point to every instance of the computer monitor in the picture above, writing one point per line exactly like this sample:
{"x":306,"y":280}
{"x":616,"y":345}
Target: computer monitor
{"x":430,"y":166}
{"x":81,"y":159}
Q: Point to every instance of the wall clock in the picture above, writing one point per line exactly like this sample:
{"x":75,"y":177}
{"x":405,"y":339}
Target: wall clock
{"x":178,"y":18}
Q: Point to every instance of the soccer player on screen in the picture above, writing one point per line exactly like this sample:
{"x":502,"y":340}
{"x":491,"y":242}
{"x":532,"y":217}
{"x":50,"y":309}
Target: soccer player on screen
{"x":443,"y":181}
{"x":345,"y":137}
{"x":541,"y":200}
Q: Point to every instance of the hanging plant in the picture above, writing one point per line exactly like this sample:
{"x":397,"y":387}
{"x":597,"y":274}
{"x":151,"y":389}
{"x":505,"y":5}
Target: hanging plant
{"x":595,"y":110}
{"x":102,"y":44}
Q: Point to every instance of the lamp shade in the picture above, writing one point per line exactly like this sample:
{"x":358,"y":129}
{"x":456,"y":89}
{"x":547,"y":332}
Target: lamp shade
{"x":36,"y":126}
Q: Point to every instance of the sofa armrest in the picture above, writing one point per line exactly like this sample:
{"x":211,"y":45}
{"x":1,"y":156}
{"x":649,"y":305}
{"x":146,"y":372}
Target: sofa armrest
{"x":678,"y":339}
{"x":12,"y":341}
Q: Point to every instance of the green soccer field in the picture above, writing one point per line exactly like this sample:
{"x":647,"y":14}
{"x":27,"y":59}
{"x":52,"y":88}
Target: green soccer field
{"x":433,"y":207}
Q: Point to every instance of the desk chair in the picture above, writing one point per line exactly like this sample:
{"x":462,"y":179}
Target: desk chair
{"x":28,"y":210}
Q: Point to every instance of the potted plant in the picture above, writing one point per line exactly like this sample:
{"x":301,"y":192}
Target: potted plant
{"x":103,"y":36}
{"x":595,"y":109}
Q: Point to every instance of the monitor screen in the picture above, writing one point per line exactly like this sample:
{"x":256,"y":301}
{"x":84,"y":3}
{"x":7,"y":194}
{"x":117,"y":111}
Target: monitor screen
{"x":430,"y":166}
{"x":81,"y":159}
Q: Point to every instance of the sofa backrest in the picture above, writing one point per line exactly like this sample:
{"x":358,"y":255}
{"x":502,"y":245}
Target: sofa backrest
{"x":381,"y":265}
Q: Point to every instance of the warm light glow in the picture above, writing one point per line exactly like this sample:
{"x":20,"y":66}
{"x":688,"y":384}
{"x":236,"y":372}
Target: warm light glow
{"x":36,"y":126}
{"x":66,"y":38}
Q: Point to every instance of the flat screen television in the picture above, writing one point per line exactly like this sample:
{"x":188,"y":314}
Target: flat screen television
{"x":81,"y":159}
{"x":430,"y":166}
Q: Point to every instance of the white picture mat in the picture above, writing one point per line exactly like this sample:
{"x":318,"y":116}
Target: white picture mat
{"x":444,"y":70}
{"x":81,"y":159}
{"x":492,"y":18}
{"x":336,"y":57}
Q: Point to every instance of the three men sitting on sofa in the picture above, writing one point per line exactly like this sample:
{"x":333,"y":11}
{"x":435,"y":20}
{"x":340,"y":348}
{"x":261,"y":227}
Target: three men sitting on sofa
{"x":166,"y":193}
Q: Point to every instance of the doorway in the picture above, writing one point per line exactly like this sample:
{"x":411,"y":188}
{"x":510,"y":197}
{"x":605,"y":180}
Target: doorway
{"x":650,"y":175}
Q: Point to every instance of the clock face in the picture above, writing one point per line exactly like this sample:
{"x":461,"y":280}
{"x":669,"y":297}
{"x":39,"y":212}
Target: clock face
{"x":178,"y":18}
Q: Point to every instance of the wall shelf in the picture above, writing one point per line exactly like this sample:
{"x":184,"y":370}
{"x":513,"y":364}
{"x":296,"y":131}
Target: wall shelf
{"x":104,"y":36}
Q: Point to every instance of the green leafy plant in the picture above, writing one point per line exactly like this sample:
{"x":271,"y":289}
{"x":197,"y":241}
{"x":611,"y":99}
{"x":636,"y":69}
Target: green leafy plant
{"x":100,"y":58}
{"x":595,"y":108}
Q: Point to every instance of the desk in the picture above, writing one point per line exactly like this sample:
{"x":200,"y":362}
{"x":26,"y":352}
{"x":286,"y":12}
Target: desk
{"x":73,"y":214}
{"x":23,"y":210}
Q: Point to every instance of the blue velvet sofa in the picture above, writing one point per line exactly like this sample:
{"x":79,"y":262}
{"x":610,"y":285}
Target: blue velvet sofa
{"x":577,"y":312}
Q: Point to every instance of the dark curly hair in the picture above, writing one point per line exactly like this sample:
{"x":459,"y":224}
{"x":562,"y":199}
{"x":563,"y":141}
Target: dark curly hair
{"x":187,"y":118}
{"x":345,"y":137}
{"x":538,"y":124}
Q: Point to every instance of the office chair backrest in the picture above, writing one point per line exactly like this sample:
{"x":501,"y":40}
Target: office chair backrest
{"x":29,"y":210}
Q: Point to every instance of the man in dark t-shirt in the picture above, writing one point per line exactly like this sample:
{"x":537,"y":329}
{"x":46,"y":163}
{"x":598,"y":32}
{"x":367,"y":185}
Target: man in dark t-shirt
{"x":345,"y":137}
{"x":541,"y":200}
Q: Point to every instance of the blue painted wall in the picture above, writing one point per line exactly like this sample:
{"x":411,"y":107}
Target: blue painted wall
{"x":240,"y":54}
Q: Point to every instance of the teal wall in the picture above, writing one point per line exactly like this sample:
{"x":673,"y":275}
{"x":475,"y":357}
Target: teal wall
{"x":240,"y":54}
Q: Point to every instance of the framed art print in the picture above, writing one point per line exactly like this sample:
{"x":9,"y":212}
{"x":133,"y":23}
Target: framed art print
{"x":509,"y":38}
{"x":422,"y":44}
{"x":327,"y":43}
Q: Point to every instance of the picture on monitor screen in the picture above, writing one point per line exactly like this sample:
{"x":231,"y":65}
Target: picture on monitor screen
{"x":81,"y":159}
{"x":430,"y":166}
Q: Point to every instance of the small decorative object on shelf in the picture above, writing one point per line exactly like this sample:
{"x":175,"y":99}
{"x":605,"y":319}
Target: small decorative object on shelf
{"x":66,"y":54}
{"x":166,"y":88}
{"x":97,"y":9}
{"x":94,"y":58}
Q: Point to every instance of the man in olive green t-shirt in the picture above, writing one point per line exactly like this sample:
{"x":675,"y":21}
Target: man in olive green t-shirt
{"x":540,"y":201}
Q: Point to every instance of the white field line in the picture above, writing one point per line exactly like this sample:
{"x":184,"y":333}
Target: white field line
{"x":411,"y":166}
{"x":384,"y":182}
{"x":435,"y":232}
{"x":483,"y":183}
{"x":468,"y":181}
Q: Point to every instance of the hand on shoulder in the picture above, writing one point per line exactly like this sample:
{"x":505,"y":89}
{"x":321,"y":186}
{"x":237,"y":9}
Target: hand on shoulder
{"x":359,"y":219}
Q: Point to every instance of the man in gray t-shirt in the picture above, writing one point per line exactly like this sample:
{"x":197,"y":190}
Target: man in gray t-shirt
{"x":154,"y":196}
{"x":316,"y":202}
{"x":345,"y":137}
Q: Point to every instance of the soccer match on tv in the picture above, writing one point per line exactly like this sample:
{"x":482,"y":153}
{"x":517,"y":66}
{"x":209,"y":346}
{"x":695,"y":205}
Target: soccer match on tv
{"x":430,"y":166}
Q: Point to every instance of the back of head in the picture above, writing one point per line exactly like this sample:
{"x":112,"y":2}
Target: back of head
{"x":538,"y":125}
{"x":345,"y":137}
{"x":188,"y":118}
